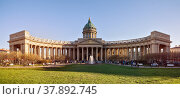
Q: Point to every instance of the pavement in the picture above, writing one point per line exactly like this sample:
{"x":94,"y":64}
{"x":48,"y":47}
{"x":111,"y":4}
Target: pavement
{"x":147,"y":66}
{"x":48,"y":66}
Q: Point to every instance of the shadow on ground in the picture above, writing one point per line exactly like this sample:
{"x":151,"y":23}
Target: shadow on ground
{"x":111,"y":69}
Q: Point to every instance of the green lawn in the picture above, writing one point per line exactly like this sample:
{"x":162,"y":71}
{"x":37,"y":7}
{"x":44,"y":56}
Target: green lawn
{"x":89,"y":74}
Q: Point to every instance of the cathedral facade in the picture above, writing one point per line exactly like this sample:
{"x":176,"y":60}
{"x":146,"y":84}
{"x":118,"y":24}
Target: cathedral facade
{"x":90,"y":45}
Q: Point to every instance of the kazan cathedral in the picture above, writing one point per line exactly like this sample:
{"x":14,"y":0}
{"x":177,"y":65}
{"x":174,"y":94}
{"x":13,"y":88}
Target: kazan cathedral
{"x":90,"y":45}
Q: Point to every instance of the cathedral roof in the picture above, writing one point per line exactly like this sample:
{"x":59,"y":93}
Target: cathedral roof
{"x":89,"y":25}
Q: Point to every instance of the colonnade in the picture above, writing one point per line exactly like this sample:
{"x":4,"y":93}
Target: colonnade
{"x":75,"y":53}
{"x":101,"y":53}
{"x":83,"y":53}
{"x":132,"y":53}
{"x":51,"y":52}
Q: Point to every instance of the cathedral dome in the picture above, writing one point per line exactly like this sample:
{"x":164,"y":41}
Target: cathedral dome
{"x":89,"y":30}
{"x":89,"y":25}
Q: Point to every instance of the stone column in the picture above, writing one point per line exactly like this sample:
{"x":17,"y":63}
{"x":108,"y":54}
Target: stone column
{"x":35,"y":51}
{"x":27,"y":48}
{"x":31,"y":49}
{"x":82,"y":53}
{"x":21,"y":48}
{"x":123,"y":52}
{"x":65,"y":51}
{"x":87,"y":54}
{"x":74,"y":53}
{"x":158,"y":48}
{"x":56,"y":52}
{"x":140,"y":51}
{"x":132,"y":53}
{"x":136,"y":53}
{"x":52,"y":52}
{"x":114,"y":51}
{"x":101,"y":54}
{"x":92,"y":51}
{"x":118,"y":51}
{"x":96,"y":53}
{"x":127,"y":52}
{"x":47,"y":52}
{"x":58,"y":49}
{"x":150,"y":48}
{"x":144,"y":50}
{"x":42,"y":52}
{"x":39,"y":51}
{"x":69,"y":52}
{"x":78,"y":53}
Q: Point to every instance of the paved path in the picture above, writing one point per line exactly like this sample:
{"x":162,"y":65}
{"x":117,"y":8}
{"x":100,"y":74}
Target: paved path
{"x":49,"y":66}
{"x":146,"y":66}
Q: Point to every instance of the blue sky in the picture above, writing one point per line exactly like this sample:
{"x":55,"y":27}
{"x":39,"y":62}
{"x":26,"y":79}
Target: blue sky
{"x":65,"y":19}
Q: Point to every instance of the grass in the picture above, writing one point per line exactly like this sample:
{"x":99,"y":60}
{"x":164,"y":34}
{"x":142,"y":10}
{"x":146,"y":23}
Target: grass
{"x":90,"y":74}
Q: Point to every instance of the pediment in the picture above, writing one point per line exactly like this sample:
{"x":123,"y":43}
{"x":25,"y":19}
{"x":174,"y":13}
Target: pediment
{"x":90,"y":42}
